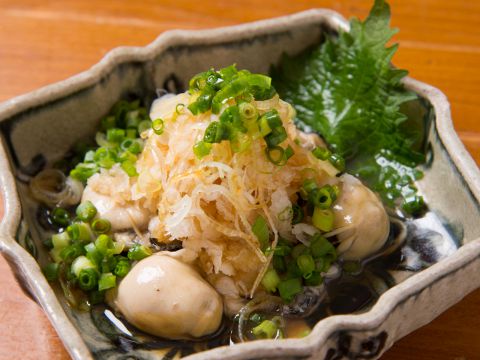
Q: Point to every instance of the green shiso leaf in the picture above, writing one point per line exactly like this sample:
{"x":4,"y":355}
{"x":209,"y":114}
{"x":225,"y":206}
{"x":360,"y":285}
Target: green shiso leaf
{"x":347,"y":91}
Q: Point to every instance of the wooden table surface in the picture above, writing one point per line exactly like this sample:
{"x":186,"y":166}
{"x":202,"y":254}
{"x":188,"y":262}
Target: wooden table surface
{"x":45,"y":41}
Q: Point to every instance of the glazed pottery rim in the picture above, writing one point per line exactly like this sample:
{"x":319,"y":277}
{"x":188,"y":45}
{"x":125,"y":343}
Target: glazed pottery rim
{"x":36,"y":283}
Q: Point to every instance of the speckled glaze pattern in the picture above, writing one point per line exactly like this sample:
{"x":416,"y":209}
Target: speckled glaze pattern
{"x":37,"y":123}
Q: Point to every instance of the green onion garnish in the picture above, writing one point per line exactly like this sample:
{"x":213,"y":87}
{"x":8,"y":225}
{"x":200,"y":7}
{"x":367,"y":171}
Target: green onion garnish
{"x":129,"y":167}
{"x":337,"y":161}
{"x":261,"y":231}
{"x":81,"y":263}
{"x":276,"y":137}
{"x":306,"y":265}
{"x":271,"y":280}
{"x":323,"y":219}
{"x":321,"y":198}
{"x":158,"y":126}
{"x":101,"y":226}
{"x":107,"y":281}
{"x":86,"y":211}
{"x":103,"y":243}
{"x":60,"y":216}
{"x":115,"y":135}
{"x":248,"y":112}
{"x":122,"y":268}
{"x":61,"y":240}
{"x":139,"y":252}
{"x":215,"y":133}
{"x":71,"y":252}
{"x":321,"y":153}
{"x":79,"y":231}
{"x":266,"y":330}
{"x":87,"y":279}
{"x":202,"y":149}
{"x":276,"y":155}
{"x":289,"y":288}
{"x":179,"y":108}
{"x":322,"y":248}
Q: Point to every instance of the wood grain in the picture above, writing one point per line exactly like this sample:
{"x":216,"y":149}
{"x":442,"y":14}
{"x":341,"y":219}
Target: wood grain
{"x":46,"y":41}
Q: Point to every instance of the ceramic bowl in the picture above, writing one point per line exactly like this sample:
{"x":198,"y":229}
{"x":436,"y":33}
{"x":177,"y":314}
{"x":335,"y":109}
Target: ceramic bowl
{"x":41,"y":126}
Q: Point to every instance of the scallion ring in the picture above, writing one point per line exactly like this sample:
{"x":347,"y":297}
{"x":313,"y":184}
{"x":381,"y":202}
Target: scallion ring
{"x":158,"y":126}
{"x":276,"y":155}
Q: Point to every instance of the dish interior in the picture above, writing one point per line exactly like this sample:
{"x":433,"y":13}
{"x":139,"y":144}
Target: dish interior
{"x":43,"y":134}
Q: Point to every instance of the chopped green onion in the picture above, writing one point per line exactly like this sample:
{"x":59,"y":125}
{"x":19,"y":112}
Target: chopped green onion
{"x":276,"y":137}
{"x":87,"y":279}
{"x":115,"y":135}
{"x":122,"y":268}
{"x":309,"y":185}
{"x":71,"y":252}
{"x":179,"y":108}
{"x":79,"y":231}
{"x":104,"y":158}
{"x":89,"y":156}
{"x":93,"y":254}
{"x":215,"y":133}
{"x":306,"y":265}
{"x":81,"y":263}
{"x":321,"y":198}
{"x":276,"y":155}
{"x":103,"y":243}
{"x":202,"y":103}
{"x":108,"y":264}
{"x":117,"y":248}
{"x":133,"y":146}
{"x":101,"y":226}
{"x":86,"y":211}
{"x":144,"y":125}
{"x":51,"y":271}
{"x":248,"y":112}
{"x":298,"y":214}
{"x":264,"y":127}
{"x":256,"y":318}
{"x":261,"y":231}
{"x":202,"y":149}
{"x":322,"y":248}
{"x":270,"y":280}
{"x":139,"y":252}
{"x":61,"y":240}
{"x":60,"y":216}
{"x":107,"y":281}
{"x":289,"y":152}
{"x":337,"y":161}
{"x":266,"y":330}
{"x":131,"y":134}
{"x":273,"y":119}
{"x":158,"y":126}
{"x":289,"y":288}
{"x":240,"y":142}
{"x":83,"y":171}
{"x":129,"y":168}
{"x":321,"y":153}
{"x":323,"y":219}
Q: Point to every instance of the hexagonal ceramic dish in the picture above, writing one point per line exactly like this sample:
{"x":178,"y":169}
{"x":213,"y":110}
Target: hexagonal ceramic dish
{"x":50,"y":120}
